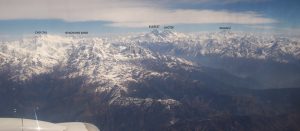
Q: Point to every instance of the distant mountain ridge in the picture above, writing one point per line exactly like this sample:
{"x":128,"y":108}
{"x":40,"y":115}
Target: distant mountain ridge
{"x":115,"y":59}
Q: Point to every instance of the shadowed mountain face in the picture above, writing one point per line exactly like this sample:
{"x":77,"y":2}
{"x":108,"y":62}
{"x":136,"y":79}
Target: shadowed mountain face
{"x":157,"y":81}
{"x":198,"y":102}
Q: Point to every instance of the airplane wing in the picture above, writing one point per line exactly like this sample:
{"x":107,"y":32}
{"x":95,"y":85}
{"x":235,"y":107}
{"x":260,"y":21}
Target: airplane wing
{"x":19,"y":124}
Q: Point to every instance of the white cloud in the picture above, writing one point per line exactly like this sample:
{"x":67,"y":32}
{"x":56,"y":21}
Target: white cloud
{"x":132,"y":13}
{"x":262,"y":27}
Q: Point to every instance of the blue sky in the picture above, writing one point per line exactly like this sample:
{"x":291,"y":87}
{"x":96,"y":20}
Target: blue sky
{"x":122,"y":16}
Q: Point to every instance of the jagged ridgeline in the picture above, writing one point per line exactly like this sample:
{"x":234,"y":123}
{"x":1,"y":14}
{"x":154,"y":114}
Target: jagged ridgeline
{"x":162,"y":80}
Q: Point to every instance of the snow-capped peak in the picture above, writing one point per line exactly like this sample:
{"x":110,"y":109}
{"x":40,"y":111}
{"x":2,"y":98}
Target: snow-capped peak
{"x":160,"y":36}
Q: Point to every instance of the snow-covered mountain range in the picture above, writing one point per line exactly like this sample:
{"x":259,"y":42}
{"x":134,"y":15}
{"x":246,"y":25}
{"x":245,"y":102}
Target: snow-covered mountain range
{"x":115,"y":61}
{"x":227,"y":44}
